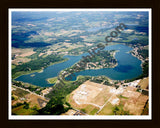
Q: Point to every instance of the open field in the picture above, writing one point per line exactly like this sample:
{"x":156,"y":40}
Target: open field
{"x":64,"y":47}
{"x":21,"y":55}
{"x":90,"y":109}
{"x":23,"y":52}
{"x":19,"y":92}
{"x":146,"y":109}
{"x":107,"y":110}
{"x":136,"y":106}
{"x":52,"y":80}
{"x":98,"y":99}
{"x":90,"y":97}
{"x":135,"y":102}
{"x":29,"y":97}
{"x":69,"y":112}
{"x":144,"y":83}
{"x":36,"y":100}
{"x":20,"y":59}
{"x":27,"y":54}
{"x":22,"y":111}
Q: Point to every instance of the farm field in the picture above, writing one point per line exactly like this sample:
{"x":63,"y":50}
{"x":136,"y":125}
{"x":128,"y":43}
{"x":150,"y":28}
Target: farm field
{"x":98,"y":99}
{"x":22,"y":95}
{"x":20,"y":55}
{"x":22,"y":111}
{"x":144,"y":83}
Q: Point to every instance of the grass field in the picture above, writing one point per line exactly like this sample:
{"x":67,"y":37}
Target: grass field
{"x":52,"y":80}
{"x":107,"y":110}
{"x":22,"y":111}
{"x":90,"y":109}
{"x":13,"y":66}
{"x":19,"y":92}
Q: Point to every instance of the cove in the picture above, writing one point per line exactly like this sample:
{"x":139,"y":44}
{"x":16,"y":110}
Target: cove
{"x":128,"y":67}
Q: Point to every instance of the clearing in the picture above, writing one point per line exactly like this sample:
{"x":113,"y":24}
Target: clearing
{"x":23,"y":95}
{"x":98,"y":99}
{"x":144,"y":83}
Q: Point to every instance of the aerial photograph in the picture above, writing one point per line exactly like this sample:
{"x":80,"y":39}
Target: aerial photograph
{"x":72,"y":63}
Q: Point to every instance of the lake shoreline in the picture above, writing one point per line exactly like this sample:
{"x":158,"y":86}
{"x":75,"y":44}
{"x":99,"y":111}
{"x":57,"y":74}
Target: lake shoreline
{"x":119,"y":72}
{"x":38,"y":71}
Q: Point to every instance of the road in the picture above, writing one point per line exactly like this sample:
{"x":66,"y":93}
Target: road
{"x":100,"y":107}
{"x":30,"y":92}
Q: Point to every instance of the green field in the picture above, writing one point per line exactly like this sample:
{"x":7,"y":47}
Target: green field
{"x":22,"y":111}
{"x":52,"y":80}
{"x":107,"y":110}
{"x":91,"y":110}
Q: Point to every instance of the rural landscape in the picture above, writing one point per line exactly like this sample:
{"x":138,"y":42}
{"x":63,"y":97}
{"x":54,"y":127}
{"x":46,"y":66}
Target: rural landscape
{"x":56,"y":68}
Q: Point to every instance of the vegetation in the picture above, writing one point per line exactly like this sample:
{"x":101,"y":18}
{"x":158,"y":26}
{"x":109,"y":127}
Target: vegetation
{"x":90,"y":109}
{"x":142,"y":42}
{"x":101,"y":79}
{"x":96,"y":80}
{"x":26,"y":105}
{"x":37,"y":64}
{"x":106,"y":82}
{"x":63,"y":90}
{"x":94,"y":111}
{"x":52,"y":80}
{"x":83,"y":110}
{"x":123,"y":97}
{"x":144,"y":74}
{"x":23,"y":109}
{"x":78,"y":51}
{"x":13,"y":98}
{"x":104,"y":56}
{"x":107,"y":110}
{"x":17,"y":105}
{"x":146,"y":109}
{"x":118,"y":110}
{"x":30,"y":87}
{"x":143,"y":52}
{"x":53,"y":107}
{"x":46,"y":34}
{"x":145,"y":92}
{"x":20,"y":93}
{"x":57,"y":97}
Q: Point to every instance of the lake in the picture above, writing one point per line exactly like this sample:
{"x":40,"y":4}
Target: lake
{"x":128,"y":67}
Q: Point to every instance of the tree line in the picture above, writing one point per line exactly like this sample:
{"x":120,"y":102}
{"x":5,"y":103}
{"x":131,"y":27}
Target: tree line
{"x":37,"y":64}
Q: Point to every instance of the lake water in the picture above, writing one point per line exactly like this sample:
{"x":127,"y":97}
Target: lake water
{"x":128,"y":67}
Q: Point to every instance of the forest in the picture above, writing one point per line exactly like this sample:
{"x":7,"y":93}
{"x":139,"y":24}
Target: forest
{"x":58,"y":94}
{"x":37,"y":63}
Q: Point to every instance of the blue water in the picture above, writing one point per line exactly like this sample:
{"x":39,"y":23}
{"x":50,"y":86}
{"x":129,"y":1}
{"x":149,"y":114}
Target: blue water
{"x":128,"y":67}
